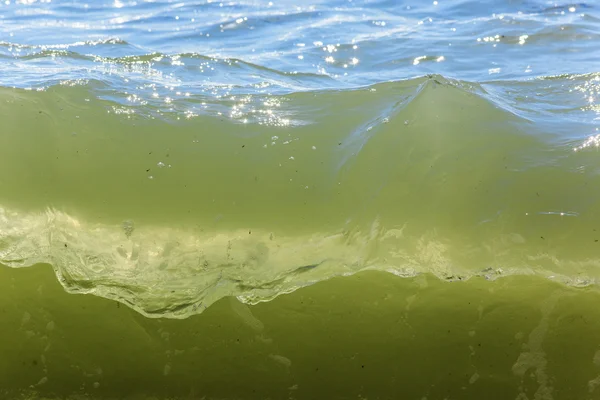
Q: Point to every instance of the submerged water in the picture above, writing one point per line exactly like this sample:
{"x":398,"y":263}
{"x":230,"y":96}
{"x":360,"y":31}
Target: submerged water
{"x":169,"y":154}
{"x":368,"y":336}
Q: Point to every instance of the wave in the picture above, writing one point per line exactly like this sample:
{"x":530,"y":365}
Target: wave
{"x":427,"y":175}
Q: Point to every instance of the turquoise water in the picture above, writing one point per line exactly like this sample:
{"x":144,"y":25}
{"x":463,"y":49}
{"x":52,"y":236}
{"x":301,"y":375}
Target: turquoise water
{"x":187,"y":159}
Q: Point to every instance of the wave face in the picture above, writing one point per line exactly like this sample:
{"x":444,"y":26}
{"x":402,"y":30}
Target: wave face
{"x":424,"y":175}
{"x":166,"y":155}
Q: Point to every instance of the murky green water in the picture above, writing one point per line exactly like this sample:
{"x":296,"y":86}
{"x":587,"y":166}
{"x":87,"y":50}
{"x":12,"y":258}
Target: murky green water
{"x":270,"y":200}
{"x":367,"y":336}
{"x":169,"y":217}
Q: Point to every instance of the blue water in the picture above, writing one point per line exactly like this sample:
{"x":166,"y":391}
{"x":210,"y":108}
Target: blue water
{"x":213,"y":48}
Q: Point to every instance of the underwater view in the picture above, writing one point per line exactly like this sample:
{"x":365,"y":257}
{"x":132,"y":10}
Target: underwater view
{"x":335,"y":199}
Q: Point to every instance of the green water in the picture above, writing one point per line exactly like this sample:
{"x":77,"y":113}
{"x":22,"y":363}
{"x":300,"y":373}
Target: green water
{"x":347,"y":199}
{"x":446,"y":249}
{"x":369,"y":336}
{"x":169,"y":215}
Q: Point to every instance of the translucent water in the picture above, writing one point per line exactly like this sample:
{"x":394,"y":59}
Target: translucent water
{"x":190,"y":160}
